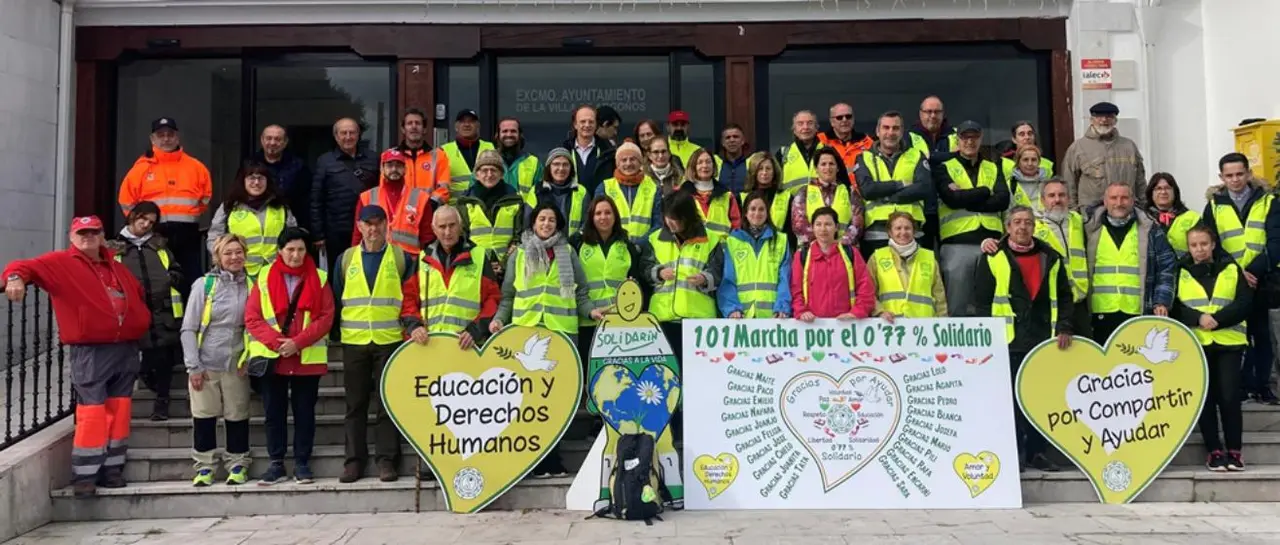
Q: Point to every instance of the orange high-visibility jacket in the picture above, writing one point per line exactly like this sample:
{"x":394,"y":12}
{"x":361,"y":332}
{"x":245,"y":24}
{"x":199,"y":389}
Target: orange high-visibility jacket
{"x":428,"y":170}
{"x":408,"y":221}
{"x":177,"y":182}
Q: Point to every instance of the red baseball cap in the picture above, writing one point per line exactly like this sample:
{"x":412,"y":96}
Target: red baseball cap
{"x":86,"y":223}
{"x":678,"y":116}
{"x":393,"y":154}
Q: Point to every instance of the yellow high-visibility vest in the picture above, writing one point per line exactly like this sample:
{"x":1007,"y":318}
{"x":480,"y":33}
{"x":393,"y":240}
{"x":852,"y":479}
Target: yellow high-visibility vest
{"x":915,"y":300}
{"x":904,"y":171}
{"x":676,"y":299}
{"x":604,"y":273}
{"x":175,"y":298}
{"x":540,"y":302}
{"x":840,"y":202}
{"x":574,"y":216}
{"x":259,"y":229}
{"x":636,"y":215}
{"x":1117,"y":284}
{"x":449,"y":308}
{"x":796,"y":172}
{"x":1248,"y":241}
{"x":371,"y":317}
{"x":1002,"y":270}
{"x":1192,"y":294}
{"x":778,"y":210}
{"x":957,"y":222}
{"x":716,"y":218}
{"x":459,"y":172}
{"x":1075,"y":255}
{"x":1177,"y":233}
{"x":316,"y":354}
{"x":757,"y":273}
{"x":494,"y":236}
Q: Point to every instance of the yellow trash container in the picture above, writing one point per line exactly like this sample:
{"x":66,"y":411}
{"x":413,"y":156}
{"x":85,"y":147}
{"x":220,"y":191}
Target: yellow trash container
{"x":1260,"y":142}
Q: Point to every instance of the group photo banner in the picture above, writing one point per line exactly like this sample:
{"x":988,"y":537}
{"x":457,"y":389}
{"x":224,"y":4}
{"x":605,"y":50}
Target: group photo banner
{"x":849,"y":414}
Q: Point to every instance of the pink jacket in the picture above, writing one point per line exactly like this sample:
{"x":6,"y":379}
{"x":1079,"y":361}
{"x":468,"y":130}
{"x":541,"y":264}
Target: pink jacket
{"x":829,"y":283}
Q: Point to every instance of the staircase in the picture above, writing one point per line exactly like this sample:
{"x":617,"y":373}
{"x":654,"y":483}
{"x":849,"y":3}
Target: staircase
{"x":159,"y":471}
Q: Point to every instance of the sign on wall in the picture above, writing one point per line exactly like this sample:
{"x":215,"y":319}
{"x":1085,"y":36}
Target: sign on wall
{"x":1095,"y":74}
{"x":1119,"y":412}
{"x":780,"y":414}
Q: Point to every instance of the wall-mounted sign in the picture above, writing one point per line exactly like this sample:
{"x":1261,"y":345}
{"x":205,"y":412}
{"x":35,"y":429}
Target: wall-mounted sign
{"x":1095,"y":74}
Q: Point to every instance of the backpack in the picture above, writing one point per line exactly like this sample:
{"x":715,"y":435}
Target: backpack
{"x":635,"y":483}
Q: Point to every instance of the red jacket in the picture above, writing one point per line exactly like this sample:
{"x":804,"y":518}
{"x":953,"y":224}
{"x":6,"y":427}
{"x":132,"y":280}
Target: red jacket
{"x":80,"y":301}
{"x":321,"y":321}
{"x":829,"y":283}
{"x":490,"y":291}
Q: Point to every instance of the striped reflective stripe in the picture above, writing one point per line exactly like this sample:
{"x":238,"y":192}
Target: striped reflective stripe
{"x":671,"y":287}
{"x":453,"y":302}
{"x":913,"y":298}
{"x":717,"y":228}
{"x":691,"y":262}
{"x":542,"y":290}
{"x":1077,"y":252}
{"x":1000,"y":300}
{"x":402,"y":237}
{"x":271,"y":321}
{"x":1200,"y":302}
{"x":437,"y":319}
{"x":757,"y":286}
{"x":175,"y":201}
{"x":365,"y":324}
{"x":1238,"y":328}
{"x":543,"y":309}
{"x":1232,"y":233}
{"x":1255,"y":224}
{"x":603,"y":284}
{"x":1115,"y":270}
{"x":1114,"y":290}
{"x":371,"y":301}
{"x":458,"y":179}
{"x":171,"y":217}
{"x":490,"y":231}
{"x":794,"y":183}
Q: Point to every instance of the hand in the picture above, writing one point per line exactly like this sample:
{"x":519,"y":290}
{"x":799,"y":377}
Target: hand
{"x":807,"y":317}
{"x":287,"y":348}
{"x":697,"y":280}
{"x":420,"y":336}
{"x":1251,"y":279}
{"x":497,"y":268}
{"x":597,"y":314}
{"x":15,"y":289}
{"x":887,"y":316}
{"x":242,"y":371}
{"x":990,"y":246}
{"x":1207,"y":322}
{"x":780,"y":315}
{"x":197,"y":380}
{"x":735,"y":315}
{"x":465,"y":341}
{"x":846,"y":316}
{"x":667,"y":274}
{"x":1160,"y":310}
{"x":953,"y":187}
{"x":1064,"y":341}
{"x":495,"y":325}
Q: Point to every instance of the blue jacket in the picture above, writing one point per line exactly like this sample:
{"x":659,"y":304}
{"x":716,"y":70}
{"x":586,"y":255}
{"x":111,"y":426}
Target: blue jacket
{"x":655,"y":215}
{"x":727,"y":294}
{"x":733,"y":173}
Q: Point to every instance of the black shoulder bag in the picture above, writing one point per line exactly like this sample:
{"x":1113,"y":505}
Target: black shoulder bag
{"x":260,"y":366}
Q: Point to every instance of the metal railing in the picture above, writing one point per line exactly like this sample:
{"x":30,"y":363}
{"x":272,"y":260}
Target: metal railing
{"x":37,"y":388}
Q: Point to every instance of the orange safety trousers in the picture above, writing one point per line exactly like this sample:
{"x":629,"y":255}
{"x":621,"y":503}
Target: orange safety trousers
{"x":102,"y":437}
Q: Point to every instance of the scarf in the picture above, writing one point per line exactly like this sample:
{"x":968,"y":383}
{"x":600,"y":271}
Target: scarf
{"x":630,"y":180}
{"x":537,"y":259}
{"x":135,"y":240}
{"x":905,"y":251}
{"x":1117,"y":222}
{"x":1020,"y":248}
{"x":279,"y":289}
{"x":755,"y":231}
{"x":703,"y":186}
{"x":662,"y":172}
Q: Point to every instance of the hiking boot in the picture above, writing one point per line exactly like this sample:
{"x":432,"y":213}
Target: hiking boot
{"x":387,"y":471}
{"x":274,"y":475}
{"x":204,"y":477}
{"x":351,"y":472}
{"x":1235,"y":461}
{"x":84,"y":489}
{"x":302,"y":473}
{"x":1217,"y":461}
{"x":1267,"y":397}
{"x":160,"y":410}
{"x":1043,"y":463}
{"x":238,"y":475}
{"x":112,"y":478}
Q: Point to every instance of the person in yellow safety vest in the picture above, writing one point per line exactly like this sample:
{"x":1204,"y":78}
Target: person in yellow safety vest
{"x":369,"y":295}
{"x":1026,"y":284}
{"x":825,"y":189}
{"x":798,"y":156}
{"x":661,"y":166}
{"x":1024,"y":135}
{"x":297,"y":343}
{"x":757,"y":267}
{"x":524,"y":170}
{"x":974,"y":195}
{"x":1132,"y":269}
{"x":678,"y":138}
{"x":637,"y":196}
{"x":559,"y":186}
{"x":1026,"y":179}
{"x":1165,"y":206}
{"x":463,"y":151}
{"x":255,"y":210}
{"x":907,"y":277}
{"x":764,"y":176}
{"x":608,"y":259}
{"x":892,"y":178}
{"x":716,"y":204}
{"x":145,"y":253}
{"x":1214,"y":300}
{"x":1242,"y":213}
{"x":683,"y":264}
{"x":938,"y":141}
{"x":490,"y":209}
{"x":546,"y":288}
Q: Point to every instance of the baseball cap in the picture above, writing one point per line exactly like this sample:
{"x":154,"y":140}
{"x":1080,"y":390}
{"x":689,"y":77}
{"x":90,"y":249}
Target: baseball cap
{"x":678,"y":116}
{"x":164,"y":123}
{"x":968,"y":126}
{"x":372,"y":212}
{"x":85,"y":223}
{"x":393,"y":154}
{"x":466,"y":113}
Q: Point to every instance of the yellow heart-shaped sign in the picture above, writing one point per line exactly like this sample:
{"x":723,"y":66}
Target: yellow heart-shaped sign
{"x":1119,"y":412}
{"x":977,"y":471}
{"x":715,"y":473}
{"x":483,"y":417}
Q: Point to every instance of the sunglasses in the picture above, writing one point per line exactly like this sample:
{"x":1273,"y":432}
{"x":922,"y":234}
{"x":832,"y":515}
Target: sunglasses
{"x":844,"y":117}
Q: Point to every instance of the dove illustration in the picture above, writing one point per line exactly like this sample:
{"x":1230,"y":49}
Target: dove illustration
{"x":534,"y":357}
{"x":1157,"y":348}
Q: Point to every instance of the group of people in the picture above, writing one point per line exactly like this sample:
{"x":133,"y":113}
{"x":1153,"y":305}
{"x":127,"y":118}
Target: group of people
{"x":474,"y":235}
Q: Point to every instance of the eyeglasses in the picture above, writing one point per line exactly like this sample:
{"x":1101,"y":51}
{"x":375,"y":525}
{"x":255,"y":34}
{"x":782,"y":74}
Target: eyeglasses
{"x":844,"y":117}
{"x":658,"y":152}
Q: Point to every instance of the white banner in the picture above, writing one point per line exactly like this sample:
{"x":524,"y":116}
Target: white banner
{"x":862,"y":414}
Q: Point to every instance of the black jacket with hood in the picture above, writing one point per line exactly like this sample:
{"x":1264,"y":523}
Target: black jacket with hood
{"x":1218,"y":195}
{"x":141,"y":255}
{"x":1206,"y":274}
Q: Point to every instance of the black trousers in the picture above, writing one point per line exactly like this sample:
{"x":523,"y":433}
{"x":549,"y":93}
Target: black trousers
{"x":188,"y":249}
{"x":1106,"y":324}
{"x":1030,"y":442}
{"x":674,"y":332}
{"x":1258,"y":358}
{"x":1223,"y":398}
{"x":157,"y":369}
{"x":279,"y":393}
{"x":362,"y":387}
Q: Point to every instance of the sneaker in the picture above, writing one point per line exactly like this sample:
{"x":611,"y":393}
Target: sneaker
{"x":238,"y":475}
{"x":387,"y":471}
{"x":112,"y":478}
{"x":204,"y":477}
{"x":1043,"y":463}
{"x":1267,"y":397}
{"x":351,"y":472}
{"x":302,"y":474}
{"x":550,"y":467}
{"x":274,"y":475}
{"x":1235,"y":461}
{"x":160,"y":410}
{"x":1217,"y":461}
{"x":84,"y":489}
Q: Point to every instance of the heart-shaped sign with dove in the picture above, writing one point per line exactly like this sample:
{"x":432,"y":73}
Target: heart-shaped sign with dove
{"x":1119,"y":412}
{"x":483,"y":418}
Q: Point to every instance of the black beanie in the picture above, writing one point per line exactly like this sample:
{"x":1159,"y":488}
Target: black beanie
{"x":143,"y":208}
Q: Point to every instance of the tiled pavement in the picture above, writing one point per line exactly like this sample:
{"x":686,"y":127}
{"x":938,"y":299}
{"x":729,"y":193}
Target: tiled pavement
{"x":1136,"y":524}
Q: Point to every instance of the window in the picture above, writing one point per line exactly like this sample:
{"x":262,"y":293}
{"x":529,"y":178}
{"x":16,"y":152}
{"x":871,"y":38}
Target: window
{"x":462,"y":92}
{"x":993,"y":85}
{"x":698,"y":94}
{"x":308,"y":94}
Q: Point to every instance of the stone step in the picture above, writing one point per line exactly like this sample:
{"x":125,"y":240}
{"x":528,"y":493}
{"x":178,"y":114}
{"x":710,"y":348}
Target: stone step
{"x":178,"y":499}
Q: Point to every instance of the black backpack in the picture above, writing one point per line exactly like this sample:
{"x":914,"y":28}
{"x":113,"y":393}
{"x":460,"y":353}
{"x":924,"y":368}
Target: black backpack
{"x":635,"y":484}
